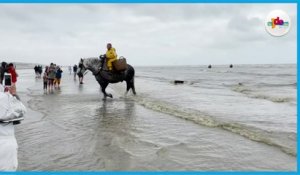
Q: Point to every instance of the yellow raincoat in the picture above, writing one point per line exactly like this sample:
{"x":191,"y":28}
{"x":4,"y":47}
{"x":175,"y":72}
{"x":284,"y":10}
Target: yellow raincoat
{"x":111,"y":56}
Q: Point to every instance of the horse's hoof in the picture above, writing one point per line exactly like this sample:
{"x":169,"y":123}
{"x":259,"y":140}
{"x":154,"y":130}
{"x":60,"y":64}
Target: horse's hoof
{"x":109,"y":95}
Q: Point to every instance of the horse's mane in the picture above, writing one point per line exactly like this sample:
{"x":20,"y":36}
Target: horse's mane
{"x":92,"y":63}
{"x":92,"y":60}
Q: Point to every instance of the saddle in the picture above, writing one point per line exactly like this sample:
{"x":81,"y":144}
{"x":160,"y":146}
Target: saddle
{"x":119,"y":72}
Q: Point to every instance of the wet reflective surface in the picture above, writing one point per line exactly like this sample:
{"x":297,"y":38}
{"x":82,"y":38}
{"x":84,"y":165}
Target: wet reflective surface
{"x":73,"y":129}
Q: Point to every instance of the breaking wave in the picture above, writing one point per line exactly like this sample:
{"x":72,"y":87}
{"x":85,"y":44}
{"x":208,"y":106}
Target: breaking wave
{"x":198,"y":117}
{"x":251,"y":94}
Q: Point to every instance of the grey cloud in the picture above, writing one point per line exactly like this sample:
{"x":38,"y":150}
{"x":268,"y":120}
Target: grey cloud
{"x":144,"y":33}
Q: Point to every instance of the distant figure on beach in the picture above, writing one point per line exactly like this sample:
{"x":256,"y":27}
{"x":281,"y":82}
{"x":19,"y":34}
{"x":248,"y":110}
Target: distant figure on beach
{"x":45,"y":79}
{"x":80,"y":75}
{"x":75,"y":71}
{"x":209,"y":66}
{"x":70,"y":69}
{"x":58,"y":77}
{"x":51,"y":76}
{"x":111,"y":56}
{"x":35,"y":71}
{"x":38,"y":69}
{"x":231,"y":66}
{"x":3,"y":69}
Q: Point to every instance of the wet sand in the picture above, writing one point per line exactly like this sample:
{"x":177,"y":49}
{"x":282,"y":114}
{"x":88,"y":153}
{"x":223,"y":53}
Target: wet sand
{"x":73,"y":129}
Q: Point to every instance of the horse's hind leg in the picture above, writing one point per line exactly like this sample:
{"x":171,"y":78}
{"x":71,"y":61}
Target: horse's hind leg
{"x":130,"y":84}
{"x":127,"y":87}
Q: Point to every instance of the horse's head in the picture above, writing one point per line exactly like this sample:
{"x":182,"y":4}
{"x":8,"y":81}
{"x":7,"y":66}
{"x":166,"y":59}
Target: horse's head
{"x":93,"y":64}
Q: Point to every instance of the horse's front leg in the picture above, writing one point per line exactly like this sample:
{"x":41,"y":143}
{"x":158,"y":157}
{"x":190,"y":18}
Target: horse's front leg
{"x":103,"y":87}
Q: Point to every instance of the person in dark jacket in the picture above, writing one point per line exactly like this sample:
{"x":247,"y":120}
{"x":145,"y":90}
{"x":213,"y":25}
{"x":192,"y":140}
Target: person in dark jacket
{"x":58,"y":76}
{"x":75,"y":71}
{"x":3,"y":69}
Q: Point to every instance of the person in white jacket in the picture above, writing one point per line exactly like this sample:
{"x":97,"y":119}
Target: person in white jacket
{"x":11,"y":110}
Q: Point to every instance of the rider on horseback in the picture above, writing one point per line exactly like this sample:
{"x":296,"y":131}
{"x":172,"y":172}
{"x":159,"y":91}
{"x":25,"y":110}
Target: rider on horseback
{"x":111,"y":56}
{"x":112,"y":68}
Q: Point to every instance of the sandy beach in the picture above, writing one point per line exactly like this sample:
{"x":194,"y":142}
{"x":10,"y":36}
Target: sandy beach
{"x":210,"y":127}
{"x":216,"y":86}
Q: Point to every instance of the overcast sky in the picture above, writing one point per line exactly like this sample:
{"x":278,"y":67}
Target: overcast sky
{"x":146,"y":34}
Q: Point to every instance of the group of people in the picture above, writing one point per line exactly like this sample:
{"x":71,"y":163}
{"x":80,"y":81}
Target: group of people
{"x":53,"y":73}
{"x":9,"y":69}
{"x":38,"y":69}
{"x":52,"y":77}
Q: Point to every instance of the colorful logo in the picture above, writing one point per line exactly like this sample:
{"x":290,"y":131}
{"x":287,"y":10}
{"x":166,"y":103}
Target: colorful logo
{"x":278,"y":23}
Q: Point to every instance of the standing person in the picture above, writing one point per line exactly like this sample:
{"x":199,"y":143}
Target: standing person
{"x":3,"y":69}
{"x":45,"y":80}
{"x":47,"y":70}
{"x":111,"y":56}
{"x":55,"y":80}
{"x":80,"y":77}
{"x":51,"y":76}
{"x":70,"y":69}
{"x":40,"y":70}
{"x":36,"y":71}
{"x":8,"y":142}
{"x":11,"y":69}
{"x":58,"y":76}
{"x":11,"y":112}
{"x":75,"y":71}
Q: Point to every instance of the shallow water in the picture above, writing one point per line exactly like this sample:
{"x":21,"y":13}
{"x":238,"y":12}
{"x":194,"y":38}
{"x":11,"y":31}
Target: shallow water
{"x":204,"y":124}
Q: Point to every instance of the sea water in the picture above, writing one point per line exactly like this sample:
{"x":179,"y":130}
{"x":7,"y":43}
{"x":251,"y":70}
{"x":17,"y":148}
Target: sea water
{"x":219,"y":119}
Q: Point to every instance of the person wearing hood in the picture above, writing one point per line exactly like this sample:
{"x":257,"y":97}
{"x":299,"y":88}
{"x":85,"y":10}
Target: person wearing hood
{"x":111,"y":56}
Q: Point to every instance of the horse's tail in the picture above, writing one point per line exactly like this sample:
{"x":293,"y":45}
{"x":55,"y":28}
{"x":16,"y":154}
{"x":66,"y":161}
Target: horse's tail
{"x":130,"y":79}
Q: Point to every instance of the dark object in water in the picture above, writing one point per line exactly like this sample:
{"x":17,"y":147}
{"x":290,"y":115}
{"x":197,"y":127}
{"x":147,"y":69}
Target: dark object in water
{"x":178,"y":82}
{"x":209,"y":66}
{"x":16,"y":122}
{"x":231,"y":66}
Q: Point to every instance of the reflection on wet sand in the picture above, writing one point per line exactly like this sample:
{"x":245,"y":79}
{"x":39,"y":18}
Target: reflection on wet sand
{"x":73,"y":129}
